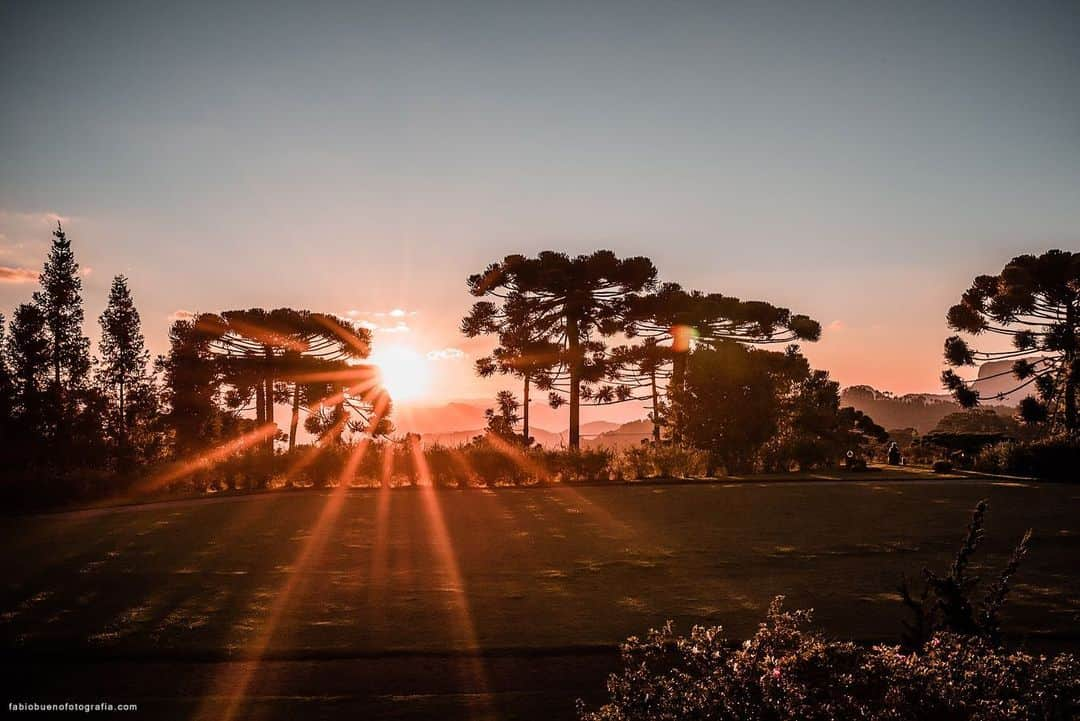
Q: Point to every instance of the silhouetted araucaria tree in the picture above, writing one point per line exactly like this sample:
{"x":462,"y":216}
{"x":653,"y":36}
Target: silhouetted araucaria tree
{"x":523,"y":351}
{"x":310,"y":359}
{"x":672,"y":319}
{"x":1035,"y":303}
{"x":572,"y":302}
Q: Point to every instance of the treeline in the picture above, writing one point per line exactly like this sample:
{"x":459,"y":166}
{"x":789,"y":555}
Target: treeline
{"x":599,"y":329}
{"x":588,"y":329}
{"x":72,"y":421}
{"x":602,"y":329}
{"x":80,"y":426}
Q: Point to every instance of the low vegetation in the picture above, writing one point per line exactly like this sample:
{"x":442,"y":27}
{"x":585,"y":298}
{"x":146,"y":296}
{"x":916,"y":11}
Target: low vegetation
{"x":787,"y":671}
{"x":1055,"y":458}
{"x":951,"y":664}
{"x":205,"y":416}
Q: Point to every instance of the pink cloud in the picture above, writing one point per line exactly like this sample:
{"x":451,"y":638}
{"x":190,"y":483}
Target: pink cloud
{"x":17,"y":275}
{"x":181,"y":315}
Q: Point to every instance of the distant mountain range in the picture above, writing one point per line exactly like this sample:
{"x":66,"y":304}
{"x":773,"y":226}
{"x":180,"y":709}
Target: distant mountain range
{"x":628,"y":434}
{"x":921,"y":411}
{"x":548,"y":439}
{"x":458,"y":422}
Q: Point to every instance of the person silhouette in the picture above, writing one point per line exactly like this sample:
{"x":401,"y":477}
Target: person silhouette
{"x":894,"y":454}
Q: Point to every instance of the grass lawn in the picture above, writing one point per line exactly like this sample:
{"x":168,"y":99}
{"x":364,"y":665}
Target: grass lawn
{"x":420,"y":603}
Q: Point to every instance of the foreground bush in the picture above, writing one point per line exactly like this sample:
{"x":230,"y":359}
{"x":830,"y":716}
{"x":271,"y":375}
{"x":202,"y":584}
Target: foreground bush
{"x":788,"y":672}
{"x":664,"y":460}
{"x":1056,"y":458}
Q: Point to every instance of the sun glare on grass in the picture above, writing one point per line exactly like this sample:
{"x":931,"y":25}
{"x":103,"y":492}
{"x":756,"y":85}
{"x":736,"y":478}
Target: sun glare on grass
{"x":402,"y":371}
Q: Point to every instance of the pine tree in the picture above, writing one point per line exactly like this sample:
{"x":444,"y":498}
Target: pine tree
{"x":7,"y":385}
{"x":60,"y":302}
{"x":29,"y":360}
{"x":124,"y":358}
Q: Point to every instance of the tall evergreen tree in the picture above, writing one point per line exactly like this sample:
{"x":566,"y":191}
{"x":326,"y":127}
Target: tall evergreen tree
{"x":190,"y":381}
{"x":29,"y":356}
{"x":124,"y":359}
{"x":7,"y":386}
{"x":60,"y":303}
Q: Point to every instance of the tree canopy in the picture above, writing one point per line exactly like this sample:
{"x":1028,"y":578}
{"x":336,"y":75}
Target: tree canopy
{"x":1034,"y":303}
{"x":572,"y":301}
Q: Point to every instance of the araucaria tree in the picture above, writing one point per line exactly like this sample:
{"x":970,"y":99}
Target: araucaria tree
{"x":60,"y":302}
{"x":502,"y":421}
{"x":523,"y":350}
{"x":671,"y":320}
{"x":308,"y":359}
{"x":573,"y":302}
{"x":123,"y":371}
{"x":1034,"y":302}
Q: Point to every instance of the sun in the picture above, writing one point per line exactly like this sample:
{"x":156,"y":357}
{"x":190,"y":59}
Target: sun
{"x":402,"y":371}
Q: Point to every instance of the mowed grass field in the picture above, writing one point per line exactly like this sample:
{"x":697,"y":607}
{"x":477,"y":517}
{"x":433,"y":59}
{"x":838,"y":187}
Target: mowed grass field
{"x":499,"y":604}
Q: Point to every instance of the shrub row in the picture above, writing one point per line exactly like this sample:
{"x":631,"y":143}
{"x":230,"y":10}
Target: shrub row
{"x":1056,"y":458}
{"x":476,"y":464}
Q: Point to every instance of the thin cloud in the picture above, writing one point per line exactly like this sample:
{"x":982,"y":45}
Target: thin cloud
{"x":445,"y":354}
{"x":399,"y":328}
{"x":47,"y":217}
{"x":837,"y":326}
{"x":17,"y":275}
{"x":181,"y":315}
{"x":392,"y":313}
{"x":373,"y":320}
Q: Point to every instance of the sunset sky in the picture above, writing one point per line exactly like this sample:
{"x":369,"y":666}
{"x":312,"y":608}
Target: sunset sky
{"x":858,"y":162}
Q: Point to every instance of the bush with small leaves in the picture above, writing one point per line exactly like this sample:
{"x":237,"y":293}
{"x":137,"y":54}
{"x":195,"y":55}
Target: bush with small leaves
{"x":574,"y":466}
{"x":789,"y":672}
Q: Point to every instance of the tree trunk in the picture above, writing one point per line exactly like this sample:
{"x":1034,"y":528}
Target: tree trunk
{"x":260,"y":404}
{"x":678,"y":381}
{"x":573,"y":344}
{"x":1070,"y":374}
{"x":269,"y":393}
{"x":59,"y":434}
{"x":655,"y":407}
{"x":678,"y":371}
{"x":525,"y":413}
{"x":123,"y":425}
{"x":56,"y":360}
{"x":1070,"y":399}
{"x":294,"y":422}
{"x":339,"y":426}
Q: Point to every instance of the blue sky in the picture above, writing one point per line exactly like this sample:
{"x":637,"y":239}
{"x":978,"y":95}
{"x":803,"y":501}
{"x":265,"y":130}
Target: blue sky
{"x":857,"y":161}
